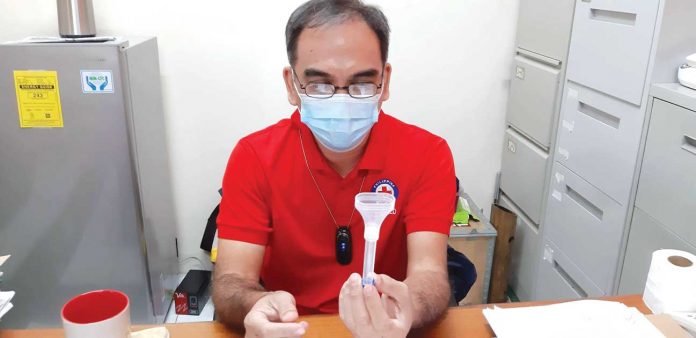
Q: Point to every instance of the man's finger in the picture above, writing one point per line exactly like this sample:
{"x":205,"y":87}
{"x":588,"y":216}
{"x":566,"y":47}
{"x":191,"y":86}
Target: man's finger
{"x":257,"y":324}
{"x":284,"y":303}
{"x":361,"y":318}
{"x":392,"y":288}
{"x":344,"y":310}
{"x":271,"y":330}
{"x":378,"y":315}
{"x":389,"y":305}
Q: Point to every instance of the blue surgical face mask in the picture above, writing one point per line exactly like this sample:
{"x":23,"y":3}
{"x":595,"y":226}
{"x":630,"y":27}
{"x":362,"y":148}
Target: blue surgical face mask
{"x":340,"y":122}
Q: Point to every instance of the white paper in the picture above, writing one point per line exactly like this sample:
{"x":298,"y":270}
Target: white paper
{"x":583,"y":318}
{"x":5,"y":309}
{"x":3,"y":259}
{"x":5,"y":305}
{"x":155,"y":332}
{"x":6,"y":297}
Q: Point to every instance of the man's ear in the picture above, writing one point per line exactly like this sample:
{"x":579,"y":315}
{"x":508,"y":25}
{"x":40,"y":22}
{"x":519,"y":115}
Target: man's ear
{"x":293,"y":98}
{"x":385,"y":83}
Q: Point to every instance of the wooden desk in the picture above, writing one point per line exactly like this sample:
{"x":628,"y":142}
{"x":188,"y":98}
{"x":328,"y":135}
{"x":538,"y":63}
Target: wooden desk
{"x":459,"y":322}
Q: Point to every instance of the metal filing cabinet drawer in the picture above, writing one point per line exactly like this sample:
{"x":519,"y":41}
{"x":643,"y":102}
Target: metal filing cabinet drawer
{"x":525,"y":252}
{"x":610,"y":47}
{"x":559,"y":278}
{"x":667,"y":184}
{"x":646,"y":236}
{"x":532,"y":97}
{"x":586,"y":224}
{"x":544,"y":26}
{"x":599,"y":137}
{"x":523,"y":172}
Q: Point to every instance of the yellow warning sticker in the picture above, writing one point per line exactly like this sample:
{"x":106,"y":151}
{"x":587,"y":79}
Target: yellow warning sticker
{"x":38,"y":99}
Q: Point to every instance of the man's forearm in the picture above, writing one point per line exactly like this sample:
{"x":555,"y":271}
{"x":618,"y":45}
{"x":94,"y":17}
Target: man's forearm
{"x":430,"y":294}
{"x":233,"y":297}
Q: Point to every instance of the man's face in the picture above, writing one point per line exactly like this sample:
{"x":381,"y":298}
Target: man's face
{"x":340,"y":54}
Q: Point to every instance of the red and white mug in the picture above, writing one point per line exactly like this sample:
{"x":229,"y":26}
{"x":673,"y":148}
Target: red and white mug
{"x":100,"y":313}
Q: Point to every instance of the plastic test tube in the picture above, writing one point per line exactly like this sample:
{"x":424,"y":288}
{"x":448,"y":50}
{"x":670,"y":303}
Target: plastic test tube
{"x":373,"y":208}
{"x":369,"y":263}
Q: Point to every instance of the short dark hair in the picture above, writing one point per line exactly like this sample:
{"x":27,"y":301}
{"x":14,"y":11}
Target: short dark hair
{"x":315,"y":13}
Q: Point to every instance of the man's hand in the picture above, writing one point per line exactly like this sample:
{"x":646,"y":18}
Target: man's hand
{"x":366,"y":314}
{"x":274,"y":315}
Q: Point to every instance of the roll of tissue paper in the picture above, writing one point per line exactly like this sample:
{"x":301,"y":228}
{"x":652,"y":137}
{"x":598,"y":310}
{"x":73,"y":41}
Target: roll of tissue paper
{"x":671,"y":284}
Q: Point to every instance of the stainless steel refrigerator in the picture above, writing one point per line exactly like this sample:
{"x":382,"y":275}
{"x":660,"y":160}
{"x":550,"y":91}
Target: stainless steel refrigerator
{"x":85,"y":184}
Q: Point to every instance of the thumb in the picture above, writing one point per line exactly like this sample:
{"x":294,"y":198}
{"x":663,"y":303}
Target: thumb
{"x":284,"y":303}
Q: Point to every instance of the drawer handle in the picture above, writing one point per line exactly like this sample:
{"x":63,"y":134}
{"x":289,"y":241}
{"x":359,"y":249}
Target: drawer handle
{"x":599,"y":115}
{"x":585,"y":203}
{"x":541,"y":59}
{"x":689,"y":144}
{"x":621,"y":18}
{"x":566,"y":277}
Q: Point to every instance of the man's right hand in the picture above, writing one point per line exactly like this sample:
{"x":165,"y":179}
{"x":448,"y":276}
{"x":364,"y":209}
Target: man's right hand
{"x":274,"y":315}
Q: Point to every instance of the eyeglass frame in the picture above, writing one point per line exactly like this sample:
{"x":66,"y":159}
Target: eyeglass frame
{"x":336,"y":88}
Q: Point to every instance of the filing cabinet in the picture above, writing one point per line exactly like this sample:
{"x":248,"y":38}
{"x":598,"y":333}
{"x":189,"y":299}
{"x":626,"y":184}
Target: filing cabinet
{"x":617,"y":49}
{"x":586,"y":224}
{"x":611,"y":44}
{"x":537,"y":77}
{"x":532,"y":99}
{"x":544,"y":27}
{"x":598,"y":138}
{"x":667,"y":186}
{"x":559,"y":278}
{"x":524,"y":172}
{"x":647,"y":235}
{"x":665,"y":206}
{"x":525,"y":252}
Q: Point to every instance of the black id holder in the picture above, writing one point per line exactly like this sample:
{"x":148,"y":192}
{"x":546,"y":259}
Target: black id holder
{"x":344,"y":245}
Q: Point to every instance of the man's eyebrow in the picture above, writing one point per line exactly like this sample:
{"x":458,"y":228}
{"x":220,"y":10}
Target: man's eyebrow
{"x":311,"y":72}
{"x":366,"y":73}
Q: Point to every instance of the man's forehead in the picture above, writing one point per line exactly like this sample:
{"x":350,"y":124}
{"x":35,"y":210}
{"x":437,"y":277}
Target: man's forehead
{"x":359,"y":73}
{"x":346,"y":45}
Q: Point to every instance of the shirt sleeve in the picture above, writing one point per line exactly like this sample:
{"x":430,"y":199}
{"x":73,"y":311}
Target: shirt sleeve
{"x":431,"y":204}
{"x":244,"y":209}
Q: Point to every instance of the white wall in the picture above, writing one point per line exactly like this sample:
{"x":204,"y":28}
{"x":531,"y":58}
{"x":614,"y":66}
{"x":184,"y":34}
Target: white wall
{"x":221,"y":65}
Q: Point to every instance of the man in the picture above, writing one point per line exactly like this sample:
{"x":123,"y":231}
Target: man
{"x":291,"y":242}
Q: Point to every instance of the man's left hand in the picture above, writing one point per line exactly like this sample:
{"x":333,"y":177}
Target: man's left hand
{"x":366,"y":314}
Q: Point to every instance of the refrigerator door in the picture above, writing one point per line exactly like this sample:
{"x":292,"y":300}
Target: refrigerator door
{"x":70,"y":210}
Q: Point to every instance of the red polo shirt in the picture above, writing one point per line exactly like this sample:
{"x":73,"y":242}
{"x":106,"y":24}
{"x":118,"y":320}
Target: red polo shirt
{"x":269,"y":199}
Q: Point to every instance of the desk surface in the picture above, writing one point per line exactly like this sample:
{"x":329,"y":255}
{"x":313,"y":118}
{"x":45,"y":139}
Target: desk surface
{"x":459,"y":322}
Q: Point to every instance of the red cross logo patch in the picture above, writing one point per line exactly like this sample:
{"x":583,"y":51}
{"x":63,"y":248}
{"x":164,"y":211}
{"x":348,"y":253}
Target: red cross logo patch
{"x":386,"y":186}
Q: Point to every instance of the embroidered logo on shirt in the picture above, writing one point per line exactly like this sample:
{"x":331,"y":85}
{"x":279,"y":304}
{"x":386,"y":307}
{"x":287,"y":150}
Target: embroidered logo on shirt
{"x":386,"y":186}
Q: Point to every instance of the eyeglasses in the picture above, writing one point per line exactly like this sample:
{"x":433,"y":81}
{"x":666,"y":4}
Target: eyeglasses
{"x":320,"y":90}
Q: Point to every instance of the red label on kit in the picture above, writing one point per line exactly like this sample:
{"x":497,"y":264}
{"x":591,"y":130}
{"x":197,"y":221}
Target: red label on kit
{"x":181,"y":303}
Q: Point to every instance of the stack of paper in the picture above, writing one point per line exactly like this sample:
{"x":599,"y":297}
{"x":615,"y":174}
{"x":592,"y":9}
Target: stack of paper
{"x":583,"y":318}
{"x":5,"y":305}
{"x":5,"y":297}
